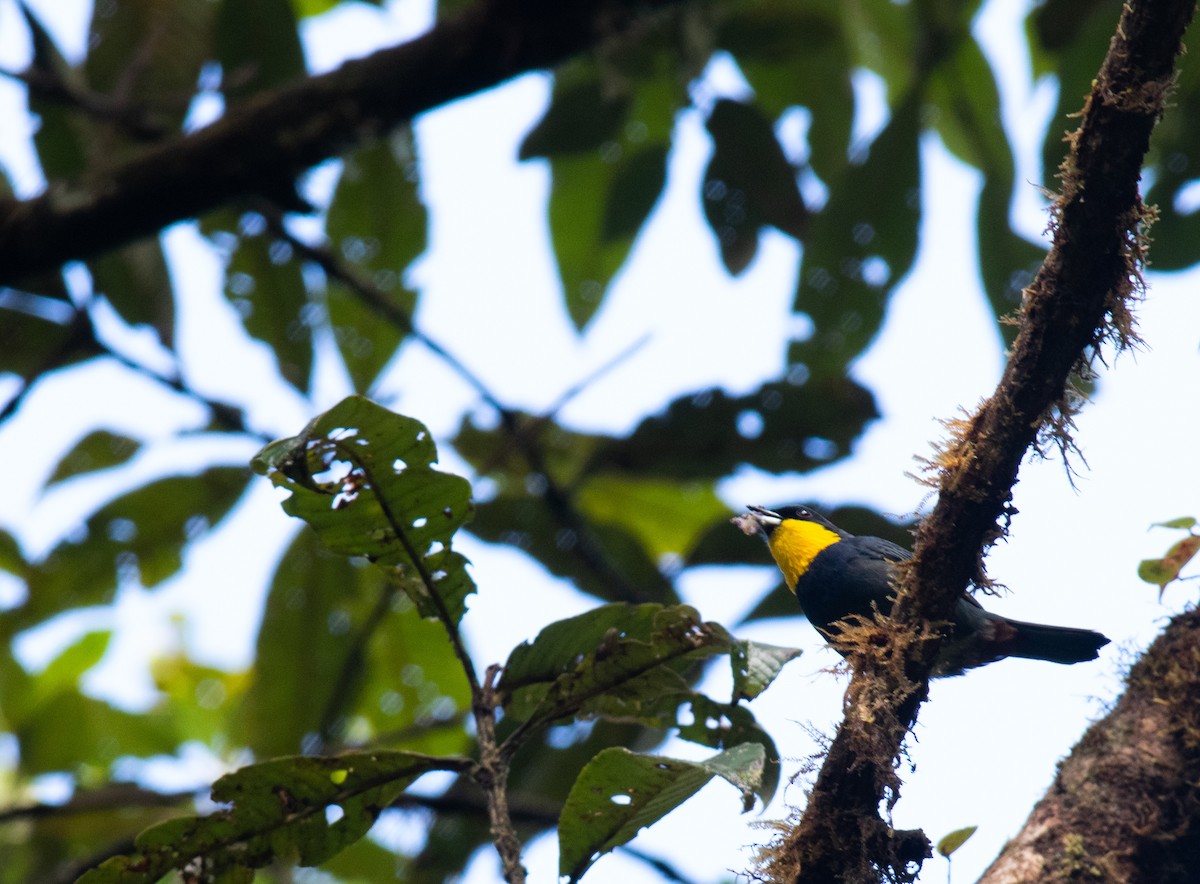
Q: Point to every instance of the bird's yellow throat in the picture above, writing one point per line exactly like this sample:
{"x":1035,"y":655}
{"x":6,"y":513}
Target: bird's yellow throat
{"x":795,"y":543}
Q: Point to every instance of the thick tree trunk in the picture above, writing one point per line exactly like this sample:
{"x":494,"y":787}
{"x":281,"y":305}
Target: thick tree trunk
{"x":1125,"y":806}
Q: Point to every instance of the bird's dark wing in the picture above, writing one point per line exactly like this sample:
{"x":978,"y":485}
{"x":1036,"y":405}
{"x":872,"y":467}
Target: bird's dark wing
{"x":880,"y":548}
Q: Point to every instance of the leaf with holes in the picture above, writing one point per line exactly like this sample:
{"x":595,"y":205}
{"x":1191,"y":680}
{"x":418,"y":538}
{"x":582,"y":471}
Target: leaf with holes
{"x":363,"y":478}
{"x":623,"y":662}
{"x":620,"y":792}
{"x":299,"y":810}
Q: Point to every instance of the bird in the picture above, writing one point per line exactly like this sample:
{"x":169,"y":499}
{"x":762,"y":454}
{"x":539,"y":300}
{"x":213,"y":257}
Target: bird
{"x":835,"y":574}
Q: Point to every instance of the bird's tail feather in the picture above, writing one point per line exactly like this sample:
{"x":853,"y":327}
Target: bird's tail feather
{"x":1057,"y":644}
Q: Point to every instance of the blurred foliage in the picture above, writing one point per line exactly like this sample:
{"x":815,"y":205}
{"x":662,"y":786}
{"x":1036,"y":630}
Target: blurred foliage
{"x":347,"y":658}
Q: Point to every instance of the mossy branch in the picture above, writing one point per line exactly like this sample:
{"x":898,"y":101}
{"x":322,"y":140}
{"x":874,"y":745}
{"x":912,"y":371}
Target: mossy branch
{"x":1079,"y":300}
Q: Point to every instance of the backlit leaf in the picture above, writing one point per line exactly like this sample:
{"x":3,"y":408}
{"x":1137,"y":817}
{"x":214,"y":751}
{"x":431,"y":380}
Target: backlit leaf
{"x":300,"y":810}
{"x":363,"y":478}
{"x":621,"y":792}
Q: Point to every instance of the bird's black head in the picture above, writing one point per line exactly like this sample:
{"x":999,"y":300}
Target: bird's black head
{"x":769,"y":520}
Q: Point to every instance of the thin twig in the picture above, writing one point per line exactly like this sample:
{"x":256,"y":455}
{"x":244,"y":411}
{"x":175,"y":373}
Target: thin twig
{"x":492,"y":776}
{"x":587,"y":547}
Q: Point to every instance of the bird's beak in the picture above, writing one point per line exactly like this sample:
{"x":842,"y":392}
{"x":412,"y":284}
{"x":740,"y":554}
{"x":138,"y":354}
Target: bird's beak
{"x":758,"y":520}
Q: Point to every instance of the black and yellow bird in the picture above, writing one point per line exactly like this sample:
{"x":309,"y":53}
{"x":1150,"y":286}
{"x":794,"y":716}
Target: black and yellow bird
{"x":835,"y":574}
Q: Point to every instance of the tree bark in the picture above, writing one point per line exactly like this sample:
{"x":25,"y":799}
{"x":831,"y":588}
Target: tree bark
{"x":1125,"y":805}
{"x":257,"y":149}
{"x":1079,"y":300}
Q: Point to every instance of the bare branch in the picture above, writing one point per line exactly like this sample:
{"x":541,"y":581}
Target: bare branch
{"x":258,"y":148}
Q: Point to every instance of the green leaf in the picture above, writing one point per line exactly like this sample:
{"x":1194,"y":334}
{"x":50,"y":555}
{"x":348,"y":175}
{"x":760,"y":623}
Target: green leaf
{"x":98,"y":734}
{"x":860,"y":245}
{"x":607,"y":141}
{"x":797,"y":54}
{"x":141,"y":534}
{"x":755,"y":666}
{"x":376,"y":222}
{"x":781,"y":427}
{"x":137,"y":284}
{"x":257,"y":45}
{"x":358,"y":636}
{"x":363,"y":478}
{"x":749,"y":183}
{"x":31,"y":345}
{"x":956,"y":839}
{"x":726,"y":725}
{"x":98,"y":450}
{"x":12,"y":560}
{"x":264,"y":283}
{"x":581,"y":116}
{"x":667,"y":517}
{"x":296,"y":810}
{"x":620,"y":792}
{"x":61,"y":136}
{"x":619,"y":661}
{"x":309,"y":8}
{"x":607,"y":561}
{"x":67,"y":668}
{"x":150,"y":55}
{"x":1184,"y":522}
{"x":1165,"y":570}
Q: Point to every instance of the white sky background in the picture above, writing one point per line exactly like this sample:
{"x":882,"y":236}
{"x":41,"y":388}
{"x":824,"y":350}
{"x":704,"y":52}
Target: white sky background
{"x":986,"y":744}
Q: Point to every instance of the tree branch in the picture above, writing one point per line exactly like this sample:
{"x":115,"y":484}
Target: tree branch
{"x":258,"y":148}
{"x":1079,"y":299}
{"x":1125,"y":806}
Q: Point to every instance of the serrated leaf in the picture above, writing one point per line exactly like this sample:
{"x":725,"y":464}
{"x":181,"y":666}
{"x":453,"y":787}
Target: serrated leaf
{"x":755,"y":666}
{"x":618,"y":661}
{"x":620,"y":792}
{"x":860,"y":245}
{"x":98,"y":450}
{"x":376,"y":222}
{"x":956,"y":839}
{"x":299,"y":810}
{"x":363,"y":478}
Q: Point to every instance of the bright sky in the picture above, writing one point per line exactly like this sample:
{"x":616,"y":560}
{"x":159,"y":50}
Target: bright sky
{"x":987,"y":743}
